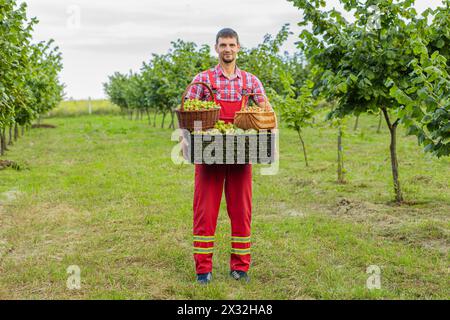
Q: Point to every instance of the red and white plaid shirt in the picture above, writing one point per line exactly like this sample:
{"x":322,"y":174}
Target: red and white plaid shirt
{"x":227,"y":89}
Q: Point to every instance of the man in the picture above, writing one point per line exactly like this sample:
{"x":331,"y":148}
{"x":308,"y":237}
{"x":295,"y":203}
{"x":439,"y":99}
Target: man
{"x":229,"y":84}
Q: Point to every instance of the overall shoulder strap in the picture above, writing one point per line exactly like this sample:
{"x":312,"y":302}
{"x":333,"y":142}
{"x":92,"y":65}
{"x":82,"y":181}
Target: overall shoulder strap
{"x":244,"y":82}
{"x":211,"y":80}
{"x":213,"y":85}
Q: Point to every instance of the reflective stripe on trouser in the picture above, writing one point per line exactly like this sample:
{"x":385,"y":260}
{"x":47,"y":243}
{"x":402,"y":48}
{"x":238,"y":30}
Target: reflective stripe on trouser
{"x":203,"y":244}
{"x":210,"y":181}
{"x":240,"y":246}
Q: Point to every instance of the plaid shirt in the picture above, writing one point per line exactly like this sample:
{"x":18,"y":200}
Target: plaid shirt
{"x":227,"y":89}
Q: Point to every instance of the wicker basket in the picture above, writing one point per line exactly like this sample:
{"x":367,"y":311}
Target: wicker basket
{"x":265,"y":120}
{"x":186,"y":119}
{"x":235,"y":149}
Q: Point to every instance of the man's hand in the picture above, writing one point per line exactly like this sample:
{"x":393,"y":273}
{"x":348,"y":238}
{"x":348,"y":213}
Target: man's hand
{"x":265,"y":106}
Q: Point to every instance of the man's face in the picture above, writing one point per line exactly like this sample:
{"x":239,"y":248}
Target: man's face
{"x":227,"y":48}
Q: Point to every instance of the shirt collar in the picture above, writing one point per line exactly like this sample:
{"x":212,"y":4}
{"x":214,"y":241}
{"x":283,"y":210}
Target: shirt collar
{"x":219,"y":71}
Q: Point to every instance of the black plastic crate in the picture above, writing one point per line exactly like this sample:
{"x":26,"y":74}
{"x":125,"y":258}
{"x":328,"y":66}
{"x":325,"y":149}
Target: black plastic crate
{"x":232,"y":148}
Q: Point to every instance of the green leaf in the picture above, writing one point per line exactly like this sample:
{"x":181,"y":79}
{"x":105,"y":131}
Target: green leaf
{"x":428,"y":147}
{"x":423,"y":94}
{"x":440,"y":43}
{"x":427,"y":119}
{"x":342,"y":87}
{"x":388,"y":83}
{"x":400,"y":96}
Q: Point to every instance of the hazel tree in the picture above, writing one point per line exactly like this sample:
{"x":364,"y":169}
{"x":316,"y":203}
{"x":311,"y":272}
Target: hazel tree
{"x":29,"y":82}
{"x":363,"y":59}
{"x":425,"y":91}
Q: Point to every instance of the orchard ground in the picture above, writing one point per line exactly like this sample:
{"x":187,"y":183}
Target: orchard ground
{"x":101,"y":192}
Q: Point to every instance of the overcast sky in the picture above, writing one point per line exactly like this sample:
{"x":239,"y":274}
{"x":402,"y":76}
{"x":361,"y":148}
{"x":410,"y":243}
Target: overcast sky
{"x":99,"y":37}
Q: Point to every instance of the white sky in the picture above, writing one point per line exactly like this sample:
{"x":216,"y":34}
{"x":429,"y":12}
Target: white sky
{"x":99,"y":37}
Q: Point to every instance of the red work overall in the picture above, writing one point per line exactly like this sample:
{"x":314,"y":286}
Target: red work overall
{"x":209,"y":184}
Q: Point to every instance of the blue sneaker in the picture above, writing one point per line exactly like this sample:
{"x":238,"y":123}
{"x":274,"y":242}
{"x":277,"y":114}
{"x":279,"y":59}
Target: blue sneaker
{"x":240,"y":275}
{"x":204,"y":278}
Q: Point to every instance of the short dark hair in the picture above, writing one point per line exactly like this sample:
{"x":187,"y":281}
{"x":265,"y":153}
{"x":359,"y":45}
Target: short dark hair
{"x":227,"y":33}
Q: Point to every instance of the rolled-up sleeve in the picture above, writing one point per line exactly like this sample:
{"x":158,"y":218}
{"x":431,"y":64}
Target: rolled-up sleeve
{"x":198,"y":91}
{"x":257,"y":87}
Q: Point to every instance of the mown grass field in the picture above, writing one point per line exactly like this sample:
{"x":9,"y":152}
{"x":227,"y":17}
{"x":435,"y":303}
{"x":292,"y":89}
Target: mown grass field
{"x":73,"y":108}
{"x":102,"y":193}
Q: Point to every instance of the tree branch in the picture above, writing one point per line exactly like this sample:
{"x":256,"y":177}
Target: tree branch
{"x":396,"y":122}
{"x":386,"y":116}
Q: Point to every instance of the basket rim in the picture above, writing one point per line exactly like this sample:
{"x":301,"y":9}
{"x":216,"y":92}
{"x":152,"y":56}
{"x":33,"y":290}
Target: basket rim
{"x":255,"y":112}
{"x":206,"y":110}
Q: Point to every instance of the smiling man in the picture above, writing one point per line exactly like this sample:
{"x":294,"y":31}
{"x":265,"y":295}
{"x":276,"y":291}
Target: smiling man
{"x":229,"y":84}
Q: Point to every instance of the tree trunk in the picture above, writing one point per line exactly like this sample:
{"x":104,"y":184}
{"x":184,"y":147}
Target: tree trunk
{"x":130,"y":114}
{"x":23,"y":130}
{"x":163,"y":119}
{"x":172,"y":124}
{"x":3,"y":140}
{"x":356,"y":123}
{"x":379,"y":122}
{"x":16,"y":132}
{"x":394,"y":163}
{"x":303,"y":147}
{"x":2,"y":149}
{"x":148,"y":117}
{"x":340,"y":170}
{"x":10,"y":140}
{"x":154,"y":119}
{"x":393,"y":149}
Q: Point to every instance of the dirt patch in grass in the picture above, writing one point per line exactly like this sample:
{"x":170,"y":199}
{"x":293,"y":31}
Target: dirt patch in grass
{"x":7,"y":163}
{"x":428,"y":233}
{"x":441,"y":245}
{"x":422,"y":178}
{"x":321,"y":168}
{"x":5,"y":248}
{"x":398,"y":222}
{"x":12,"y":164}
{"x":43,"y":125}
{"x":302,"y":182}
{"x":354,"y":208}
{"x":34,"y":230}
{"x":9,"y":196}
{"x":6,"y":198}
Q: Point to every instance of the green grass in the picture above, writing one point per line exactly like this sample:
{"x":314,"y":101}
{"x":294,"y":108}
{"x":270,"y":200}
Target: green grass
{"x":101,"y":192}
{"x":73,"y":108}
